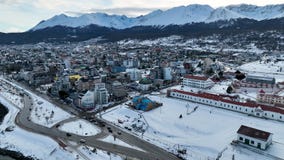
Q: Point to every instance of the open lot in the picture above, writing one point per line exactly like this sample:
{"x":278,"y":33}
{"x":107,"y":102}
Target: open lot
{"x":204,"y":133}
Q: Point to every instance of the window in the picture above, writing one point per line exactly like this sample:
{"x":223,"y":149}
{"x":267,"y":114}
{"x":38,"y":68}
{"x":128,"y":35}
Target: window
{"x":241,"y":138}
{"x":272,"y":115}
{"x":252,"y":142}
{"x":280,"y":117}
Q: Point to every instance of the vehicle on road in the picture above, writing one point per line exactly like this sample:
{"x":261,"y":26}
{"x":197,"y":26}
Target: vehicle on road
{"x":68,"y":134}
{"x":82,"y":141}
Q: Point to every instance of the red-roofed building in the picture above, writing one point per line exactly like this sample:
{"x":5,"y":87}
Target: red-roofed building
{"x":270,"y":98}
{"x":197,"y":81}
{"x":254,"y":137}
{"x":230,"y":103}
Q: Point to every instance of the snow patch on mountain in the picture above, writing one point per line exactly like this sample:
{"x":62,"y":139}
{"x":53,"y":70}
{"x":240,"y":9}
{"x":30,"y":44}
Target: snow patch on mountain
{"x":223,"y":14}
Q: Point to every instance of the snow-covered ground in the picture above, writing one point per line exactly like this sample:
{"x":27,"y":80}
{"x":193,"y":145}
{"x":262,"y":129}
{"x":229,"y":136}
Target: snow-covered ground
{"x":45,"y":113}
{"x":90,"y":153}
{"x":114,"y":140}
{"x":204,"y":132}
{"x":29,"y":144}
{"x":12,"y":96}
{"x":80,"y":127}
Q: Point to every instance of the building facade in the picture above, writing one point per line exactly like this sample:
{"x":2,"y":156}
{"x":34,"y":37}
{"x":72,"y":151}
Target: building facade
{"x":254,"y":137}
{"x":101,"y":93}
{"x":197,"y":81}
{"x":258,"y":110}
{"x":270,"y":98}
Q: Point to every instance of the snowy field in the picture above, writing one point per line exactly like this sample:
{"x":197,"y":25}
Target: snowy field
{"x":46,"y":114}
{"x":204,"y":132}
{"x":80,"y":127}
{"x":12,"y":96}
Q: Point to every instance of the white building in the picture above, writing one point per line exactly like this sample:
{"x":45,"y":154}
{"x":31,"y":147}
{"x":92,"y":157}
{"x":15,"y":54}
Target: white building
{"x":167,"y":73}
{"x":101,"y":93}
{"x":226,"y":102}
{"x":254,"y":137}
{"x":88,"y":100}
{"x":134,"y":74}
{"x":197,"y":81}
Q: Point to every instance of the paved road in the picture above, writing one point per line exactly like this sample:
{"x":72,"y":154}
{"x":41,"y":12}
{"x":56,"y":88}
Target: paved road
{"x":150,"y":151}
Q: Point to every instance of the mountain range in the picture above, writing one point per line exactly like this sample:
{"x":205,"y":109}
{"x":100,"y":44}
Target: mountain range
{"x":175,"y":16}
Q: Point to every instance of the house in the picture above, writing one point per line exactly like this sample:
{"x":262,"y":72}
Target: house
{"x":254,"y":137}
{"x":145,"y":84}
{"x":197,"y":81}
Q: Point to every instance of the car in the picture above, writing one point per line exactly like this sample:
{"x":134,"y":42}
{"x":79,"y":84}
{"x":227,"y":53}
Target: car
{"x":119,"y":133}
{"x":110,"y":131}
{"x":82,"y":141}
{"x":57,"y":125}
{"x":68,"y":134}
{"x":108,"y":128}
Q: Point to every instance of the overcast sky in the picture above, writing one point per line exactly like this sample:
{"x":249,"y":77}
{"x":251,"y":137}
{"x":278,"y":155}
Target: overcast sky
{"x":21,"y":15}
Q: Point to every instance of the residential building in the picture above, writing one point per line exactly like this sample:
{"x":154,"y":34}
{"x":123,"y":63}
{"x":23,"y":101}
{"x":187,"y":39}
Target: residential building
{"x":197,"y":81}
{"x":167,"y":73}
{"x":270,"y":98}
{"x":101,"y":94}
{"x":145,"y":84}
{"x":134,"y":74}
{"x":254,"y":137}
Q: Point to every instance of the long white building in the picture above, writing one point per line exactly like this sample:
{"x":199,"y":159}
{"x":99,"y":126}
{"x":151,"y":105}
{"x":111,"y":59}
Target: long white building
{"x":226,"y":102}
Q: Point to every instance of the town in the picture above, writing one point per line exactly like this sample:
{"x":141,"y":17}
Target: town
{"x":129,"y":84}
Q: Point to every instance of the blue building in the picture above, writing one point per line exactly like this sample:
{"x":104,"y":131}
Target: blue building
{"x":144,"y":103}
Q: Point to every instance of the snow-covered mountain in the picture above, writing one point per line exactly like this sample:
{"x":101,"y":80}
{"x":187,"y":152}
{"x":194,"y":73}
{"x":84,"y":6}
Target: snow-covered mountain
{"x":178,"y":15}
{"x":100,"y":19}
{"x":258,"y":13}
